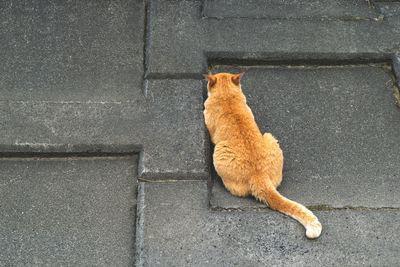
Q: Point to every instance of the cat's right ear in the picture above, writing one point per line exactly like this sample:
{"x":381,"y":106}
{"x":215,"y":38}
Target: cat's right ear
{"x":211,"y":79}
{"x":236,"y":78}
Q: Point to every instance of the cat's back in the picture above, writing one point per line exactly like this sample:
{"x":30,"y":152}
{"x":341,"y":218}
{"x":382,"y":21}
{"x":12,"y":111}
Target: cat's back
{"x":235,"y":122}
{"x":231,"y":124}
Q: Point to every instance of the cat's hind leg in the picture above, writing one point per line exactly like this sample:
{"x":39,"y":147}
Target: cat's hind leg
{"x":274,"y":159}
{"x":237,"y":189}
{"x":227,"y":165}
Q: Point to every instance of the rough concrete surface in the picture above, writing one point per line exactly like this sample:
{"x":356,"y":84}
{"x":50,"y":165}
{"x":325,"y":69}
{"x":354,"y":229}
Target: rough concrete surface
{"x":72,"y":81}
{"x":67,"y":211}
{"x":209,"y":40}
{"x":279,"y":9}
{"x":171,"y":141}
{"x":201,"y":237}
{"x":337,"y":127}
{"x":97,"y":94}
{"x":65,"y":51}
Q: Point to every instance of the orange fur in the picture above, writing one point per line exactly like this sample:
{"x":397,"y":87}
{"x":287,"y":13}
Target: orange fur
{"x":248,"y":162}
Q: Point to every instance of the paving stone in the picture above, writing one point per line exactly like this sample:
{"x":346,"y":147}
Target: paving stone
{"x":72,"y":82}
{"x":69,"y":127}
{"x":280,"y":9}
{"x":175,"y":32}
{"x":389,"y":9}
{"x":76,"y":50}
{"x":167,"y":128}
{"x":176,"y":144}
{"x":337,"y":127}
{"x":310,"y":41}
{"x":177,"y":229}
{"x":203,"y":41}
{"x":377,"y":2}
{"x":67,"y":211}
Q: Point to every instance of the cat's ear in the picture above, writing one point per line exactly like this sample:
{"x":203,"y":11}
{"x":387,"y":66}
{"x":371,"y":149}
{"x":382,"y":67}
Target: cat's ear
{"x":211,"y":79}
{"x":236,"y":78}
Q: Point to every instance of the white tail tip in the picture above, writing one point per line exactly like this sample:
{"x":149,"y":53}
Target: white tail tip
{"x":314,"y":229}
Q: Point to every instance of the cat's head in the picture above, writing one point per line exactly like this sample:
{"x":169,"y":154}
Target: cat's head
{"x":223,"y":82}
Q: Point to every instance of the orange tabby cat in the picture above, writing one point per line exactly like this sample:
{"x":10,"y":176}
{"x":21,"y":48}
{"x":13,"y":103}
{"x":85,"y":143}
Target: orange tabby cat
{"x":248,"y":162}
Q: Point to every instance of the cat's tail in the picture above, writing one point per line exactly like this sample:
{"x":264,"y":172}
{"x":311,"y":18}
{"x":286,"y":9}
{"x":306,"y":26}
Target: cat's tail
{"x":268,"y":194}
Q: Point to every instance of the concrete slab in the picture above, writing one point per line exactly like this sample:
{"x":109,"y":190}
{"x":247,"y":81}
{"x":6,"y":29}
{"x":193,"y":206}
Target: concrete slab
{"x":280,"y":9}
{"x":65,"y":51}
{"x":176,"y":146}
{"x":388,"y":8}
{"x":189,"y":42}
{"x":175,"y":33}
{"x":67,"y":211}
{"x":338,"y":129}
{"x":175,"y":228}
{"x":72,"y":84}
{"x":166,"y":126}
{"x":70,"y":126}
{"x":72,"y":81}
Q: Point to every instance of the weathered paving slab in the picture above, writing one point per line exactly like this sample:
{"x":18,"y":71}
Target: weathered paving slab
{"x":80,"y":50}
{"x":67,"y":211}
{"x":338,"y":129}
{"x":175,"y":227}
{"x":279,"y":9}
{"x":176,"y":141}
{"x":72,"y":81}
{"x":87,"y":78}
{"x":388,"y":9}
{"x":175,"y":31}
{"x":182,"y":42}
{"x":71,"y":99}
{"x":166,"y":127}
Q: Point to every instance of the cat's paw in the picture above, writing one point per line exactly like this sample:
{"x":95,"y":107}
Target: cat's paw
{"x":314,"y":229}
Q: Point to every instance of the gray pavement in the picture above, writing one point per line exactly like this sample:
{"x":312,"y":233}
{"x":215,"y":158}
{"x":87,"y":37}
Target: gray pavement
{"x":105,"y":158}
{"x":67,"y":211}
{"x":201,"y":237}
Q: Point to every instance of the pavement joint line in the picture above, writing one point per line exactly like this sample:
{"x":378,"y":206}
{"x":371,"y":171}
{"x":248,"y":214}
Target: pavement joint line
{"x":302,"y":64}
{"x":370,"y":4}
{"x":308,"y":66}
{"x":386,"y":65}
{"x":135,"y":216}
{"x":213,"y":60}
{"x":379,"y":18}
{"x":312,"y":208}
{"x":64,"y":156}
{"x":396,"y":93}
{"x":146,"y":32}
{"x":68,"y":102}
{"x":393,"y":73}
{"x":168,"y":180}
{"x":139,"y":224}
{"x":174,"y":76}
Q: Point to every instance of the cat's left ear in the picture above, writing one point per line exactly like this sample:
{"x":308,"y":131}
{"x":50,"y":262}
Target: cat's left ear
{"x":236,"y":78}
{"x":211,"y":79}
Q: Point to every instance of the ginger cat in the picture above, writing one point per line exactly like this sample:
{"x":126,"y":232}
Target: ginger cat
{"x":247,"y":161}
